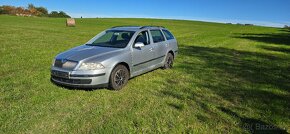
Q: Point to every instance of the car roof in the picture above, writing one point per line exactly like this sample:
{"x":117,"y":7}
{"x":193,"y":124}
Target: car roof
{"x":135,"y":28}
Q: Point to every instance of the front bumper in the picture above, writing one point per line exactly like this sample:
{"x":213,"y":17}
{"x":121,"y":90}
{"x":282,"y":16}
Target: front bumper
{"x":90,"y":79}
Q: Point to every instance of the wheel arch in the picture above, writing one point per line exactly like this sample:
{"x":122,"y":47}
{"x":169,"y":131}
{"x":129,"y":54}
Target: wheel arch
{"x":171,"y":52}
{"x":124,"y":64}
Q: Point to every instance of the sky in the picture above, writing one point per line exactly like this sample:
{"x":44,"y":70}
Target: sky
{"x":274,"y":13}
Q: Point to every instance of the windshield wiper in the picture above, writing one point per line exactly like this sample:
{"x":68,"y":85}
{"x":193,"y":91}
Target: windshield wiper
{"x":90,"y":44}
{"x":100,"y":45}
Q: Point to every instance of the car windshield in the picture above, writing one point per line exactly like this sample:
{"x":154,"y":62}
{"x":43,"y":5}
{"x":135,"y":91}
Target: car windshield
{"x":112,"y":38}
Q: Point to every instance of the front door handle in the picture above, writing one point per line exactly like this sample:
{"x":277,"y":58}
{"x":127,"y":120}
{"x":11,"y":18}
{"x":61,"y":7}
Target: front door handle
{"x":151,"y":49}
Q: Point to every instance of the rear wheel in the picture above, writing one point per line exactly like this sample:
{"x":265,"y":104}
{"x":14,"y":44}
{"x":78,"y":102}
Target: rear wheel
{"x":119,"y":77}
{"x":168,"y":61}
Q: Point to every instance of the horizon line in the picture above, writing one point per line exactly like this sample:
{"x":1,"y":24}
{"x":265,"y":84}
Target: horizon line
{"x":233,"y":22}
{"x":212,"y":20}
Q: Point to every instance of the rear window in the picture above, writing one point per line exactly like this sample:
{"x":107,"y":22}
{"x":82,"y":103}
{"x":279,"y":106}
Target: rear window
{"x":157,"y":36}
{"x":167,"y":34}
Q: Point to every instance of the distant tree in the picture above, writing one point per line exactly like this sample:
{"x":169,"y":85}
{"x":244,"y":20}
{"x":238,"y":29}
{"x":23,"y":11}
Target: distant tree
{"x":249,"y":24}
{"x":31,"y":6}
{"x":53,"y":14}
{"x":63,"y":14}
{"x":42,"y":10}
{"x":27,"y":12}
{"x":20,"y":11}
{"x":31,"y":10}
{"x":1,"y":10}
{"x":286,"y":26}
{"x":5,"y":9}
{"x":60,"y":14}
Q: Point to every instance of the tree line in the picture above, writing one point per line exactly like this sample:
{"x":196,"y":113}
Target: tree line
{"x":287,"y":27}
{"x":31,"y":10}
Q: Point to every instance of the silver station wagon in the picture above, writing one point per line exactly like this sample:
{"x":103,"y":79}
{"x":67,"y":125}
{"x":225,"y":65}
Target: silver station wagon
{"x":112,"y":57}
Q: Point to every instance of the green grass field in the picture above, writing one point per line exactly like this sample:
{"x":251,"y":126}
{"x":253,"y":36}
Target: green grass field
{"x":226,"y":79}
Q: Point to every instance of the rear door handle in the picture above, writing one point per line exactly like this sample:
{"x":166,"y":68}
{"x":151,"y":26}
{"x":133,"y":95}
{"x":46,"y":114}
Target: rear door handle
{"x":151,"y":49}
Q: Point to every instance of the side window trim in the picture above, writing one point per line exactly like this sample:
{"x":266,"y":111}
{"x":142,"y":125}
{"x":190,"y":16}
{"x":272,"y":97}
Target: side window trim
{"x":148,"y":37}
{"x":164,"y":37}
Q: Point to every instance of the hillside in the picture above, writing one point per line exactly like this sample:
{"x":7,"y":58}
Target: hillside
{"x":226,"y":79}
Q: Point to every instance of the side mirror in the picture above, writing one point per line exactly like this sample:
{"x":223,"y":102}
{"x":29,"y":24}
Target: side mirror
{"x":139,"y":45}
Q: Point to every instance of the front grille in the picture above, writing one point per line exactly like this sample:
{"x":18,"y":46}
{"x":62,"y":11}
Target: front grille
{"x":72,"y":81}
{"x":59,"y":74}
{"x":69,"y":65}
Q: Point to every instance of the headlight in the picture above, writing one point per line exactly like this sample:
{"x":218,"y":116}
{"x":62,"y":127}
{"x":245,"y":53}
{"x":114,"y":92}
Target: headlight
{"x":91,"y":66}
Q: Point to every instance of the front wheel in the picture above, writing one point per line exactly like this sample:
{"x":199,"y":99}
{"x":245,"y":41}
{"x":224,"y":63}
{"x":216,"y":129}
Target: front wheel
{"x":119,"y":77}
{"x":168,"y":61}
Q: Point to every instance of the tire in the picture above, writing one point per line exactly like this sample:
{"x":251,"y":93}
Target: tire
{"x":168,"y":61}
{"x":119,"y":77}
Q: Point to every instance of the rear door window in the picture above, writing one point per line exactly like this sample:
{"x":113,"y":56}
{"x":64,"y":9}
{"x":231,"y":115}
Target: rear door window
{"x":167,"y":34}
{"x":157,"y":36}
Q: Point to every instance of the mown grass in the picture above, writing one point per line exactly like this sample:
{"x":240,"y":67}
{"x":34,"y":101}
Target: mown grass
{"x":226,"y":79}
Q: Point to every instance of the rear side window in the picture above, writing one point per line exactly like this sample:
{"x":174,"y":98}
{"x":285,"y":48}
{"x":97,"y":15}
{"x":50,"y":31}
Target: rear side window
{"x":157,"y":36}
{"x":167,"y":34}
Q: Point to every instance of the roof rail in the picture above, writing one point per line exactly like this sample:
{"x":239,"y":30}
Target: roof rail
{"x":150,"y":26}
{"x":124,"y":26}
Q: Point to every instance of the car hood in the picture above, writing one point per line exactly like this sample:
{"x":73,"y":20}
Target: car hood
{"x":85,"y":52}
